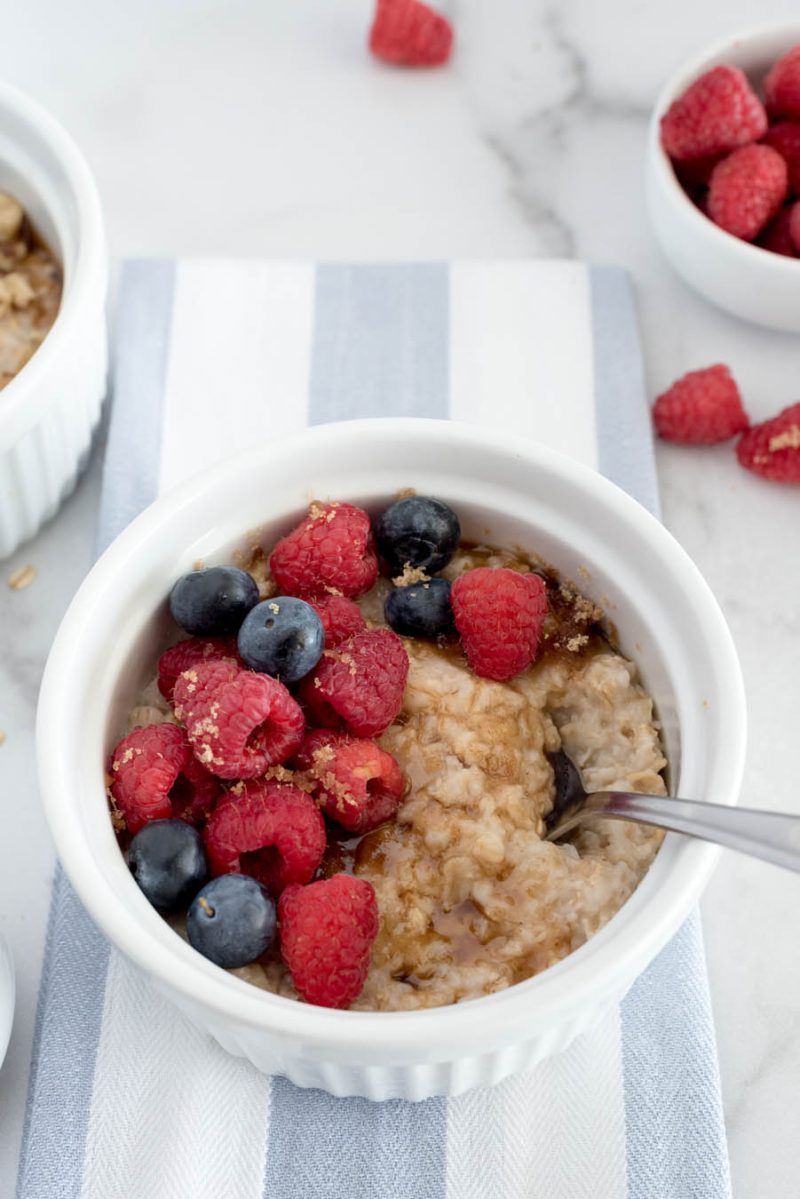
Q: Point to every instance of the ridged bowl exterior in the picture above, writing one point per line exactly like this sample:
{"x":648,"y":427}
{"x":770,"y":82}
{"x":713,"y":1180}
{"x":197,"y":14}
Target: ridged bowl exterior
{"x":50,"y":410}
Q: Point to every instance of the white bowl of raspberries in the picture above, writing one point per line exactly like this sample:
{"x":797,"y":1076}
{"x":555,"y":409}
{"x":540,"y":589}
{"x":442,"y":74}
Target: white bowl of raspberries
{"x":207,"y":825}
{"x":723,"y":175}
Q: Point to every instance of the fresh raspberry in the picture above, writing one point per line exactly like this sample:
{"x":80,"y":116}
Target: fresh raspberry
{"x":155,"y":776}
{"x":701,"y":408}
{"x":239,"y":722}
{"x":272,"y":831}
{"x":326,"y":932}
{"x":785,"y":138}
{"x":782,"y":86}
{"x":747,"y":189}
{"x":499,"y":614}
{"x":358,"y":784}
{"x":408,"y":33}
{"x":185,"y":654}
{"x":777,"y":235}
{"x":772,"y":449}
{"x":340,"y":617}
{"x":794,"y":225}
{"x":359,"y":685}
{"x":332,"y":551}
{"x":718,"y":112}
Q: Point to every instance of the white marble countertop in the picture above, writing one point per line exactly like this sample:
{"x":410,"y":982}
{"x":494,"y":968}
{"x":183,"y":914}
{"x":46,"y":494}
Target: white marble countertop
{"x":232,"y":127}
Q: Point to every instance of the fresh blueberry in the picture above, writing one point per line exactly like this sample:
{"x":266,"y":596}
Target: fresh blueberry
{"x":418,"y":530}
{"x":421,"y":610}
{"x":232,"y":920}
{"x":168,"y":861}
{"x":283,"y":637}
{"x":213,"y":601}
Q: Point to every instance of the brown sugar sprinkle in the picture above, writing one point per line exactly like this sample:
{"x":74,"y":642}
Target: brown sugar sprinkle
{"x":411,"y":574}
{"x":22,"y":578}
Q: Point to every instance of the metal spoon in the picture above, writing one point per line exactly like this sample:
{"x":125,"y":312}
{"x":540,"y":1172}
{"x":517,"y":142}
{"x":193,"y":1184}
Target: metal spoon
{"x":773,"y":836}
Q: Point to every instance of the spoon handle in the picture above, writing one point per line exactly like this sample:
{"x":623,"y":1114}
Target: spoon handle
{"x":773,"y":836}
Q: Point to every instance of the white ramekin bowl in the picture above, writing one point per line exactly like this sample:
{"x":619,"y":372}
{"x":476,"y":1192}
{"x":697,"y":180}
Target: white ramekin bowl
{"x":49,"y":411}
{"x":7,"y":996}
{"x":507,"y":491}
{"x":745,"y":280}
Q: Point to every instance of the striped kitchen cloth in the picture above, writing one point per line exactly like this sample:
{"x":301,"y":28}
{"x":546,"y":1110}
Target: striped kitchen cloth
{"x":126,"y":1099}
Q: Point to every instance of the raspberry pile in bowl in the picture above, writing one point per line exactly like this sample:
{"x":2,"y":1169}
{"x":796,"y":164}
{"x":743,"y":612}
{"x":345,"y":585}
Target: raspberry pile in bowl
{"x":737,"y":156}
{"x":337,"y":784}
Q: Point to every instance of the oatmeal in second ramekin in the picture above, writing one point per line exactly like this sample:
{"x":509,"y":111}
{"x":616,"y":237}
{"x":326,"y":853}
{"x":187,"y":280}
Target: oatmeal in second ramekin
{"x":30,"y":289}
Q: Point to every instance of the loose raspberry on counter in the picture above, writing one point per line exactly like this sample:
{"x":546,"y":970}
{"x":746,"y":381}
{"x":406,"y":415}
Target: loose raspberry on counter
{"x":718,"y":112}
{"x":701,"y":408}
{"x":747,"y":189}
{"x":499,"y":615}
{"x":186,"y":654}
{"x":332,"y":551}
{"x":326,"y":932}
{"x":359,"y":685}
{"x":271,"y":831}
{"x":782,"y":86}
{"x":407,"y":33}
{"x":772,"y":449}
{"x":155,"y":776}
{"x":340,"y":617}
{"x":238,"y":722}
{"x":777,"y":235}
{"x":785,"y":138}
{"x":358,"y":784}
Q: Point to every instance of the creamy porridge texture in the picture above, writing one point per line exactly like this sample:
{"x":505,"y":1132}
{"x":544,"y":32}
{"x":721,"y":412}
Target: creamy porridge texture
{"x":471,"y":898}
{"x":30,"y":289}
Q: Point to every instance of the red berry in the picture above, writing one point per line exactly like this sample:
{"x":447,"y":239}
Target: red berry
{"x":499,"y":614}
{"x":272,"y":831}
{"x":794,"y":225}
{"x":772,"y":449}
{"x":785,"y":138}
{"x":358,"y":784}
{"x":185,"y":654}
{"x":408,"y":33}
{"x":359,"y":685}
{"x":747,"y":189}
{"x":332,"y":551}
{"x":717,"y":113}
{"x":239,"y":722}
{"x":340,"y":617}
{"x":782,"y":86}
{"x":777,"y":235}
{"x":701,"y":408}
{"x":155,"y":776}
{"x":326,"y":932}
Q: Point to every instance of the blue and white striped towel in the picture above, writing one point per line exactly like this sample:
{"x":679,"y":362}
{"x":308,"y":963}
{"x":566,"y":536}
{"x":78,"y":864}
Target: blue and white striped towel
{"x":127,"y":1101}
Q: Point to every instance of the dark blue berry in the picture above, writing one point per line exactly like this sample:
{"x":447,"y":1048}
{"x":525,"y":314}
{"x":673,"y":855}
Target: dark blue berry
{"x":421,"y":610}
{"x":168,"y":861}
{"x":418,"y":530}
{"x":213,"y":601}
{"x":232,"y":920}
{"x":283,"y":637}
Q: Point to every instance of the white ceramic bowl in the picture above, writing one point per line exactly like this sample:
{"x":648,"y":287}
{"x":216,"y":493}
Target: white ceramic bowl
{"x":508,"y":491}
{"x":7,"y":995}
{"x":733,"y":274}
{"x":50,"y":409}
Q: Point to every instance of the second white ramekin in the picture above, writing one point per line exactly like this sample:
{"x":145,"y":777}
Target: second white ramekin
{"x":507,"y":491}
{"x":50,"y":410}
{"x":741,"y":278}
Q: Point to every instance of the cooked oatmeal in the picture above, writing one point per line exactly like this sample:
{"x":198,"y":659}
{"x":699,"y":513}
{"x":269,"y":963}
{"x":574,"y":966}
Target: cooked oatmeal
{"x":30,"y":289}
{"x":471,"y":897}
